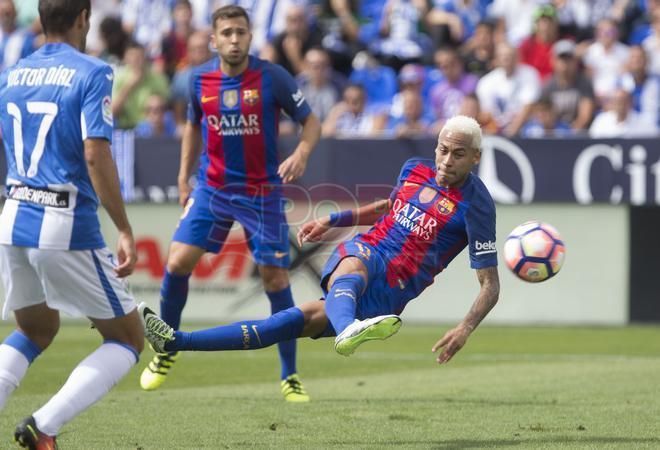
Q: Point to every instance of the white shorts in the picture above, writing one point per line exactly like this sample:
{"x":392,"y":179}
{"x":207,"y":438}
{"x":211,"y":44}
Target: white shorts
{"x":76,"y":282}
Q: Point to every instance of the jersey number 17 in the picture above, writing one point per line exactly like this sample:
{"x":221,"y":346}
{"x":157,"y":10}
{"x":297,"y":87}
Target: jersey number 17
{"x":49,"y":111}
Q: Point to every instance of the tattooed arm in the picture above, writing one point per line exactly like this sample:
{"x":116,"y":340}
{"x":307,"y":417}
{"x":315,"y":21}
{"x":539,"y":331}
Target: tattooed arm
{"x":455,"y":339}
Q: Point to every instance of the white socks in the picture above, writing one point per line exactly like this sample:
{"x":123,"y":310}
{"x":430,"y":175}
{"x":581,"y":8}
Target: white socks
{"x":13,"y":365}
{"x":87,"y":384}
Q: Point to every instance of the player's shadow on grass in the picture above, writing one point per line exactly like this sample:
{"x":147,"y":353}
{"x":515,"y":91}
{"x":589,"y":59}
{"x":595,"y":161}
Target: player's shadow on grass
{"x":459,"y":444}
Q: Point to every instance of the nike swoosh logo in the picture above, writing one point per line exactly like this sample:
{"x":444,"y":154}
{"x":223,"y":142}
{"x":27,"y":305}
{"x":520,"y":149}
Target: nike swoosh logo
{"x":254,"y":328}
{"x":206,"y":99}
{"x":280,"y":255}
{"x":110,"y":76}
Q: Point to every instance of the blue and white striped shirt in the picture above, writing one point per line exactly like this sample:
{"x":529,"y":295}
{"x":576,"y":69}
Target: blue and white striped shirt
{"x":50,"y":102}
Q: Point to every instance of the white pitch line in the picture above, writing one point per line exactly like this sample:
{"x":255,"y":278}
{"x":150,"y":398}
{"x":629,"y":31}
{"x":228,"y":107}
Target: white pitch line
{"x":505,"y":357}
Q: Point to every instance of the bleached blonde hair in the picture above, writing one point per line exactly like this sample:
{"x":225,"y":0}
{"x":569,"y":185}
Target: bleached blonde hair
{"x":466,"y":125}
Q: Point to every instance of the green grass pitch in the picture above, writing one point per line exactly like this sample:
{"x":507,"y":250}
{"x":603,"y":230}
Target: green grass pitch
{"x":520,"y":388}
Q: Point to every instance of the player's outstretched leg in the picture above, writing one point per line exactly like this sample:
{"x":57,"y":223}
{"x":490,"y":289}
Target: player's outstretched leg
{"x":27,"y":435}
{"x":174,"y":294}
{"x":248,"y":335}
{"x":360,"y":331}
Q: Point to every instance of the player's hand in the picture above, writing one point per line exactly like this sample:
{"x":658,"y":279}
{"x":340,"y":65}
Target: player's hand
{"x":293,"y":167}
{"x":184,"y":192}
{"x":126,"y":254}
{"x":451,"y":343}
{"x":313,"y":230}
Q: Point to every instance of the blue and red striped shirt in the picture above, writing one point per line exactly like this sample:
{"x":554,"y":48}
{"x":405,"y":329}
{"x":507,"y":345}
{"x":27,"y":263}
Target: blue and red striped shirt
{"x":428,"y":225}
{"x":239,"y":118}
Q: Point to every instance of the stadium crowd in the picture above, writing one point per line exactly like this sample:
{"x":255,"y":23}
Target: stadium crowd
{"x":533,"y":68}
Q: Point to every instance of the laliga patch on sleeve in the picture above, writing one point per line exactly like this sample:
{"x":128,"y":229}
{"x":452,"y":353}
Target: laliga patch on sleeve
{"x":298,"y":98}
{"x":106,"y":109}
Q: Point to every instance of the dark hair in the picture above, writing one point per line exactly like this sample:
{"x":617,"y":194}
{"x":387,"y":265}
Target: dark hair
{"x":114,"y":36}
{"x":357,"y":86}
{"x":229,"y":12}
{"x":545,"y":102}
{"x":58,"y":16}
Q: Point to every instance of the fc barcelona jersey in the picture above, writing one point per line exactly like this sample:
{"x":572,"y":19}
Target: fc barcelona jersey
{"x":239,"y":117}
{"x":428,"y":225}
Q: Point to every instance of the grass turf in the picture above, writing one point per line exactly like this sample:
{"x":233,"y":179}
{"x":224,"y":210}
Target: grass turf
{"x":509,"y":388}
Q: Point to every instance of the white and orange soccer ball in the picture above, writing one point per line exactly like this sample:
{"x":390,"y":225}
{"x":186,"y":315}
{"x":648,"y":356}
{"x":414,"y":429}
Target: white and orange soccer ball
{"x":534,"y":251}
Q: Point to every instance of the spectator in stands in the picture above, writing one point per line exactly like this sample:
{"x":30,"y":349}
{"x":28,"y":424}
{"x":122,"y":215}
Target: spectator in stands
{"x":147,"y":22}
{"x":536,"y":50}
{"x":174,"y":47}
{"x":570,"y":92}
{"x":479,"y":51}
{"x":470,"y":107}
{"x":574,"y":18}
{"x":621,"y":120}
{"x":135,"y":81}
{"x":413,"y":122}
{"x":605,"y":59}
{"x":642,"y":20}
{"x":340,"y":21}
{"x":158,"y":121}
{"x":447,"y":95}
{"x":321,"y":85}
{"x":515,"y":19}
{"x":401,"y":40}
{"x":509,"y":91}
{"x":544,"y":123}
{"x":379,"y":81}
{"x":28,"y":15}
{"x":113,"y":41}
{"x":289,"y":47}
{"x":102,"y":9}
{"x":412,"y":77}
{"x":15,"y":42}
{"x":643,"y":86}
{"x":452,"y":22}
{"x":652,"y":43}
{"x":267,"y":18}
{"x":198,"y":52}
{"x":349,"y":118}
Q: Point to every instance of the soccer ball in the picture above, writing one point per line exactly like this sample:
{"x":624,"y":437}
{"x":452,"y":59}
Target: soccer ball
{"x":534,"y":251}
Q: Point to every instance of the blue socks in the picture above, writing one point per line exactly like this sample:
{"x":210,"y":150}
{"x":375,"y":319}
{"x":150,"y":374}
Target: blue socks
{"x":250,"y":335}
{"x":173,"y":296}
{"x":23,"y":344}
{"x":279,"y":301}
{"x":341,"y":300}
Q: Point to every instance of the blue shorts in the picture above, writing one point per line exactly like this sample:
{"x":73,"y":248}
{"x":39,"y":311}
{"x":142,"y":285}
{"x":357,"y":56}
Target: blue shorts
{"x":210,"y":214}
{"x":378,"y":298}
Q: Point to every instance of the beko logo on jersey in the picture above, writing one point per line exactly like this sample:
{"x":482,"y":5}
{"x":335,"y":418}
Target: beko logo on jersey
{"x":484,"y":247}
{"x":43,"y":197}
{"x":414,"y":219}
{"x":55,"y":76}
{"x":235,"y":124}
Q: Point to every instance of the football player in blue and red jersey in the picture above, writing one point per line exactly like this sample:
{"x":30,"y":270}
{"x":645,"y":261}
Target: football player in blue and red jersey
{"x":436,"y":209}
{"x":233,"y":117}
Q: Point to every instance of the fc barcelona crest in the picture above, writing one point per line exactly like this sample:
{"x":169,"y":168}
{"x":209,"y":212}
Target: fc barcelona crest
{"x":445,"y":206}
{"x":251,"y":96}
{"x":230,"y":98}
